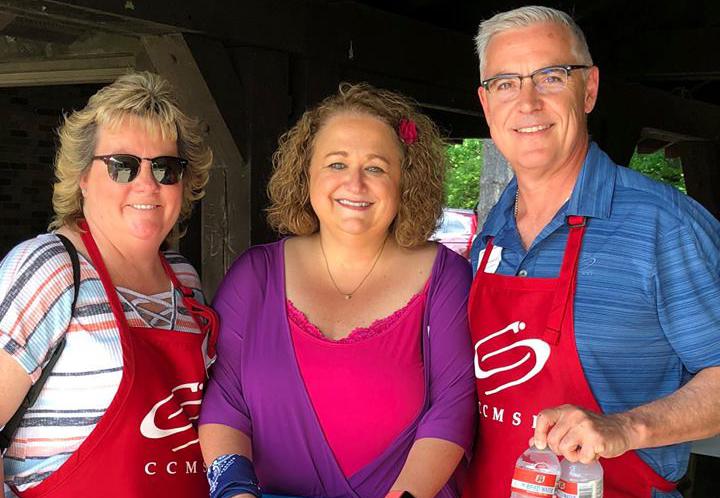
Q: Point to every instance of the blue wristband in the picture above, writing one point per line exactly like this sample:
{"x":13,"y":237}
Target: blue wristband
{"x":230,"y":475}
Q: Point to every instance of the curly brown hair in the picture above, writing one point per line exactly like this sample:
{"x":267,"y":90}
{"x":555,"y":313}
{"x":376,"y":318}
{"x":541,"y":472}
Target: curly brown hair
{"x":143,"y":95}
{"x":422,"y":169}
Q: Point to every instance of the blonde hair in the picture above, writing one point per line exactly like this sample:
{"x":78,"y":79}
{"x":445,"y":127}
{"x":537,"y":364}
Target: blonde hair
{"x":422,"y":170}
{"x":141,"y":95}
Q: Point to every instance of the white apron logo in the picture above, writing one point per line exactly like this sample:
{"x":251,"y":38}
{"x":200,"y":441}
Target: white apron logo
{"x":539,"y":347}
{"x":148,"y":426}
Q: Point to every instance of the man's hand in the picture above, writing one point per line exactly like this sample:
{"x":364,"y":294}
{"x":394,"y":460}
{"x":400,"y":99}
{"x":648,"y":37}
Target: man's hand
{"x":582,"y":435}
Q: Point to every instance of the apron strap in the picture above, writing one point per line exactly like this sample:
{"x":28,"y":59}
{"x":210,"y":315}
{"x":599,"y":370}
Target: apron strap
{"x":99,"y":264}
{"x":486,"y":255}
{"x":567,"y":278}
{"x":204,"y":316}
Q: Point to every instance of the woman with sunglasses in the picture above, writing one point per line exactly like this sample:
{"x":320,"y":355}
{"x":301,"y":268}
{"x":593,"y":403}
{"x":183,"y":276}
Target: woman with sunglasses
{"x":344,"y":359}
{"x":116,"y":416}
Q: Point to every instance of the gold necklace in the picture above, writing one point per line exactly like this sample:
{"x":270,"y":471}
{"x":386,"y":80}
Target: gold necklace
{"x":349,"y":295}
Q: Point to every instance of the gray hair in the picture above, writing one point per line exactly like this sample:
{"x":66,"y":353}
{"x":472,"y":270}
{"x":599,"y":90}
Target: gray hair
{"x":527,"y":16}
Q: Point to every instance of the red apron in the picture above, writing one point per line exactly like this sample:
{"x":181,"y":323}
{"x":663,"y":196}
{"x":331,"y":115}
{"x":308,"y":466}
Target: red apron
{"x":526,"y":360}
{"x":146,"y":443}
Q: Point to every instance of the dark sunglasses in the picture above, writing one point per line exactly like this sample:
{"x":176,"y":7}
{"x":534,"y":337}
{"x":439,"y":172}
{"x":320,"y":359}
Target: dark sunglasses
{"x":124,"y":168}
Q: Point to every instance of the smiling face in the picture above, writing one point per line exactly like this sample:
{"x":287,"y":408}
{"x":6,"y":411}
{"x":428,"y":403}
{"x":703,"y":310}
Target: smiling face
{"x":354,"y":175}
{"x":135,"y":214}
{"x":534,"y":130}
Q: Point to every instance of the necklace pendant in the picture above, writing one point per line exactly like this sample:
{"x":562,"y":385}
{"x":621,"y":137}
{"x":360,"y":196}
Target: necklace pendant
{"x":332,"y":279}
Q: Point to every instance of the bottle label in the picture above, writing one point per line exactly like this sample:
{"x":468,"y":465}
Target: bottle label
{"x":533,"y":483}
{"x":591,"y":489}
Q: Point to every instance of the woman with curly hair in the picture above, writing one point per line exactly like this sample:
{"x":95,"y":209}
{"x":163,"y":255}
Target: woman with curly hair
{"x":109,"y":325}
{"x":344,"y":362}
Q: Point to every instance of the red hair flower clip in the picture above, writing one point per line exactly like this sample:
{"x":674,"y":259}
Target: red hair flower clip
{"x":407,"y":131}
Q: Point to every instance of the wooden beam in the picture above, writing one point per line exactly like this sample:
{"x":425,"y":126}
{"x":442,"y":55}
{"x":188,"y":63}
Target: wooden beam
{"x":97,"y":58}
{"x":267,"y":23}
{"x":76,"y":70}
{"x":399,"y":48}
{"x":5,"y":19}
{"x":650,"y":145}
{"x":222,"y":238}
{"x":670,"y":54}
{"x":268,"y":109}
{"x":653,"y":140}
{"x":331,"y":33}
{"x":667,"y":136}
{"x":118,"y":18}
{"x":624,"y":110}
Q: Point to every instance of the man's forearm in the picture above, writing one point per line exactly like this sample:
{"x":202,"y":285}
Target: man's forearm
{"x":690,"y":413}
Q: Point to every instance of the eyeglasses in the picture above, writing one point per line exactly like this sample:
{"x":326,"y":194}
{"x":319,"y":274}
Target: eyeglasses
{"x":546,"y":80}
{"x":124,"y":168}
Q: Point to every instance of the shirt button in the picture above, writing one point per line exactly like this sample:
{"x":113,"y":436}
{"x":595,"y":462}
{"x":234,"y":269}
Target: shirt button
{"x":522,"y":273}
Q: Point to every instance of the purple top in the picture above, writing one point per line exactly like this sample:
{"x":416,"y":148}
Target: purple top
{"x":256,"y":385}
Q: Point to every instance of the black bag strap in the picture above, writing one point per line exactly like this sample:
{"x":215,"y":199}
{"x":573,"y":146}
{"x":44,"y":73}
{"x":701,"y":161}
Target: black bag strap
{"x":12,"y":425}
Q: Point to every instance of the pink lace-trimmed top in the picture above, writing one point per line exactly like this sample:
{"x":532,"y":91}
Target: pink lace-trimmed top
{"x":367,"y":387}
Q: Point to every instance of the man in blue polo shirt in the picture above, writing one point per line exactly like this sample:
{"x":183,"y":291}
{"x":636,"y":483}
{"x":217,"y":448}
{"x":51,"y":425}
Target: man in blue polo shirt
{"x":595,"y":310}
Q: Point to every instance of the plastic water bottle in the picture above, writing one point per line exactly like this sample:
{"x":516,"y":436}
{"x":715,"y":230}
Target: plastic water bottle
{"x":580,"y":480}
{"x":536,"y":474}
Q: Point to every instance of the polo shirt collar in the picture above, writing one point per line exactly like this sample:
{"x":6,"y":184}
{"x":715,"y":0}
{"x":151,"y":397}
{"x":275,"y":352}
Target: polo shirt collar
{"x":591,"y":196}
{"x":593,"y":192}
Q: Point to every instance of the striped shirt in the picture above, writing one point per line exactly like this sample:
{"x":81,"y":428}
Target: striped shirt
{"x":647,"y":304}
{"x":36,"y":293}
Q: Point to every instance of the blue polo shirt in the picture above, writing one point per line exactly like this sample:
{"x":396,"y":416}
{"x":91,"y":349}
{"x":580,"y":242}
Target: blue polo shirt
{"x":647,"y":303}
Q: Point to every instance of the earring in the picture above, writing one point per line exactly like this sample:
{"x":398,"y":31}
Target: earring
{"x":83,"y":192}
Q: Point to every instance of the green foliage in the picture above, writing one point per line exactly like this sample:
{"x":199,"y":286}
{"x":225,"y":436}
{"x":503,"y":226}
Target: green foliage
{"x":658,"y":167}
{"x":462,"y":183}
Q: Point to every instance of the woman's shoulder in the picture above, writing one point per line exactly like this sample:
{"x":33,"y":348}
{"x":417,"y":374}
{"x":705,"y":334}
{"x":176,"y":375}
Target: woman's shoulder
{"x":255,"y":266}
{"x":36,"y":289}
{"x":258,"y":260}
{"x":249,"y":277}
{"x":39,"y":242}
{"x":42,"y":255}
{"x":437,"y":258}
{"x":451,"y":258}
{"x":451,"y":267}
